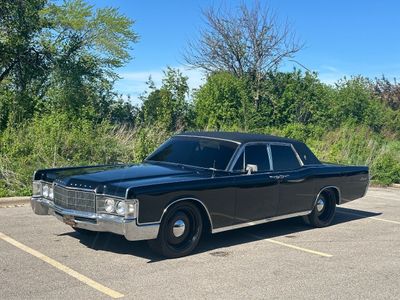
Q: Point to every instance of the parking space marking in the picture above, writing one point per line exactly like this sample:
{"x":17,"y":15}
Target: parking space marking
{"x":101,"y":288}
{"x":373,"y":218}
{"x":292,"y":246}
{"x":384,"y":198}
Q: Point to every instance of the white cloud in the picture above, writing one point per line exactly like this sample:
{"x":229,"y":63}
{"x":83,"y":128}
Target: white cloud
{"x":329,"y":74}
{"x":134,"y":83}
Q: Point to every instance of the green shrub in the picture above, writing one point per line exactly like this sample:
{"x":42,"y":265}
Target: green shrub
{"x":61,"y":140}
{"x":386,"y":166}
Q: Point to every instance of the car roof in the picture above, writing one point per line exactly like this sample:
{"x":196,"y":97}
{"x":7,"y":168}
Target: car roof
{"x":238,"y":137}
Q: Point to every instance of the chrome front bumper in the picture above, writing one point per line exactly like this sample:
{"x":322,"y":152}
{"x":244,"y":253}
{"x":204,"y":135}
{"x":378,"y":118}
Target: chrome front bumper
{"x":97,"y":222}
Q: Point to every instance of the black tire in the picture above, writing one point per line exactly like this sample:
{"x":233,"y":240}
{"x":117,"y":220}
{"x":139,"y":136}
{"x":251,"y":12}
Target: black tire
{"x":322,"y":217}
{"x":171,"y":243}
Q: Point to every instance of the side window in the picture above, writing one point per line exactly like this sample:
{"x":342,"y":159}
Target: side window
{"x":257,"y":155}
{"x":284,"y":158}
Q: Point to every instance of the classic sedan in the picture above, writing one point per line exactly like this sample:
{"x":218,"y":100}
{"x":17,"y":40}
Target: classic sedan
{"x":198,"y":182}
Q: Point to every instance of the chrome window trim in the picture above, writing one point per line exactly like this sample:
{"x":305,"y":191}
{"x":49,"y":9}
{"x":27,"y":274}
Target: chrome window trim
{"x":271,"y":161}
{"x":262,"y":221}
{"x":293,"y":149}
{"x":297,"y":155}
{"x":208,"y":137}
{"x":242,"y":150}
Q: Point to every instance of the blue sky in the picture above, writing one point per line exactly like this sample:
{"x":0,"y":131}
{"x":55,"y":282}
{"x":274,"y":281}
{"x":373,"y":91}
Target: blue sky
{"x":342,"y":38}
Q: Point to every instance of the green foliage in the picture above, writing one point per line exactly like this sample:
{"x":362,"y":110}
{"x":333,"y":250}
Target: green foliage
{"x":58,"y":106}
{"x":293,"y":98}
{"x":222,"y":103}
{"x":59,"y":57}
{"x":359,"y":145}
{"x":386,"y":166}
{"x":167,"y":106}
{"x":63,"y":140}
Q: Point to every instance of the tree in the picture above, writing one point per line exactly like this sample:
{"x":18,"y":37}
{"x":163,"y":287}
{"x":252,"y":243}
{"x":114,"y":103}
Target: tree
{"x":23,"y":61}
{"x":295,"y":97}
{"x":222,"y":102}
{"x":167,"y":105}
{"x":59,"y":56}
{"x":248,"y":43}
{"x":388,"y":92}
{"x":20,"y":23}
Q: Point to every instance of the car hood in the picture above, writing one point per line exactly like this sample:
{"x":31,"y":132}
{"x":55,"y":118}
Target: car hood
{"x":116,"y":179}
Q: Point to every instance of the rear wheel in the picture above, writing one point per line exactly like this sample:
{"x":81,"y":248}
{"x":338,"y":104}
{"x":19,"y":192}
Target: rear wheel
{"x":324,"y":210}
{"x":180,"y":231}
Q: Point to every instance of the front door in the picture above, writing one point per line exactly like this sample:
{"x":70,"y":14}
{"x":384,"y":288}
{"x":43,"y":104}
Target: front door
{"x":256,"y":193}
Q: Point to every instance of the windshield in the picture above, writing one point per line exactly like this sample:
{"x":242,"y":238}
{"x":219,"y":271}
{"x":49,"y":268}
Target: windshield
{"x":195,"y":151}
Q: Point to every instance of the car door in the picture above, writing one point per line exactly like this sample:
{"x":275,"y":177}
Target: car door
{"x":296,"y":184}
{"x":256,"y":193}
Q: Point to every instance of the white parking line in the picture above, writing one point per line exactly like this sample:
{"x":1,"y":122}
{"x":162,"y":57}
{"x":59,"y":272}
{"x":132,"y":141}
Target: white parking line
{"x":384,"y":198}
{"x":292,"y":246}
{"x":101,"y":288}
{"x":373,"y":218}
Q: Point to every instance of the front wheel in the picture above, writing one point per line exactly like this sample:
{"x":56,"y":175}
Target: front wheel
{"x":323,"y":212}
{"x":180,"y":231}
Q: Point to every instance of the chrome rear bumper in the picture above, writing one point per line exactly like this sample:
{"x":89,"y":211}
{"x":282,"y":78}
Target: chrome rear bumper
{"x":97,"y":222}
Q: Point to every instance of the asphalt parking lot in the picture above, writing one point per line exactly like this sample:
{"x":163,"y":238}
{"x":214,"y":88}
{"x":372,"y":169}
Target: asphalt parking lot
{"x":358,"y":257}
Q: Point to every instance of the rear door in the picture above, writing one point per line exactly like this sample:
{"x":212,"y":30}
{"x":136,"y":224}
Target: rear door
{"x":256,"y":193}
{"x":296,"y":184}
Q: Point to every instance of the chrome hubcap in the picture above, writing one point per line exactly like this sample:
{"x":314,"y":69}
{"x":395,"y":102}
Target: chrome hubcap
{"x":320,"y":205}
{"x":179,"y":228}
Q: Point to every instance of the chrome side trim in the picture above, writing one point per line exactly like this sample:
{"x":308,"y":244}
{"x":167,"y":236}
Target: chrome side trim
{"x":328,"y":187}
{"x":172,"y":203}
{"x":262,"y":221}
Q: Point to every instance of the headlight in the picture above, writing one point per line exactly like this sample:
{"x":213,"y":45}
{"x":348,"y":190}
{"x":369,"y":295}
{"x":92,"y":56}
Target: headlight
{"x":51,"y":193}
{"x":125,"y":208}
{"x":109,"y":205}
{"x":36,"y":188}
{"x":121,"y":207}
{"x":45,"y":191}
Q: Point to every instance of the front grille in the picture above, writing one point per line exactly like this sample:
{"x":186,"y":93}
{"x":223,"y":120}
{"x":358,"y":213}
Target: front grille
{"x":74,"y":199}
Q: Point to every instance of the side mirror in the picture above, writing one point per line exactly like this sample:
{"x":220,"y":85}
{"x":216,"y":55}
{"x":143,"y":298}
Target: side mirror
{"x":251,"y":169}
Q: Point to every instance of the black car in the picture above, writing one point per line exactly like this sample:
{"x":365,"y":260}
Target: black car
{"x":199,"y":182}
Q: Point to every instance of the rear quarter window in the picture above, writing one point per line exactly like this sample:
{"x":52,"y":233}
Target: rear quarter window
{"x":284,"y":158}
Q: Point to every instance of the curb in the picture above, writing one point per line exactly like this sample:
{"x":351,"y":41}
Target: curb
{"x":12,"y":201}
